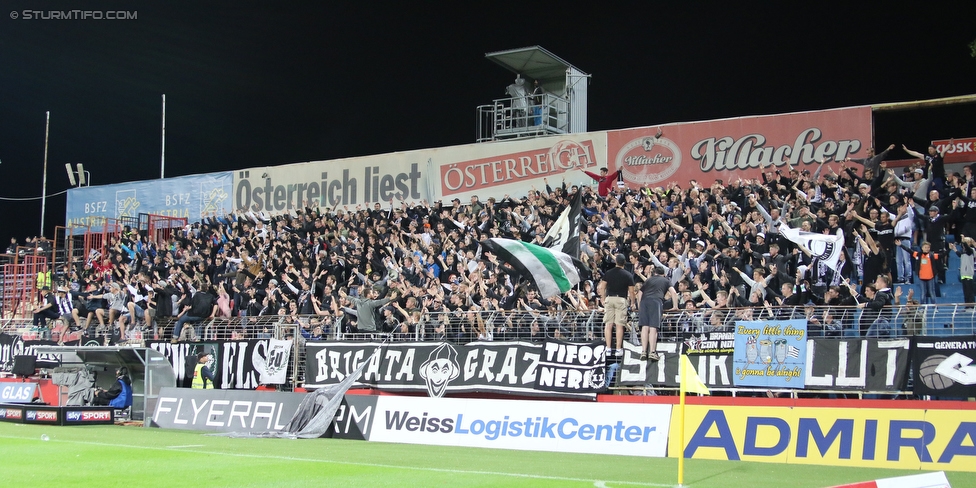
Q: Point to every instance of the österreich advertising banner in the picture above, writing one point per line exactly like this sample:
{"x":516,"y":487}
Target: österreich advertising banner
{"x":857,"y":364}
{"x":944,"y":366}
{"x":736,"y":148}
{"x":485,"y":170}
{"x":440,"y":368}
{"x":894,"y":438}
{"x":630,"y":429}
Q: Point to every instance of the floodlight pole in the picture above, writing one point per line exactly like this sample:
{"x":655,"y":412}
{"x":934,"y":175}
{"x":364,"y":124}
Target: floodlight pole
{"x":162,"y":154}
{"x":47,"y":131}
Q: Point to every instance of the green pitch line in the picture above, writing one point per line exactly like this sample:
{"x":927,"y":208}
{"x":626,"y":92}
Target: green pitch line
{"x":134,"y":456}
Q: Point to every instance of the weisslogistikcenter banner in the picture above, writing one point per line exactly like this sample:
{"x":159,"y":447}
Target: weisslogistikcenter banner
{"x":736,"y":148}
{"x":444,"y":368}
{"x":630,"y":429}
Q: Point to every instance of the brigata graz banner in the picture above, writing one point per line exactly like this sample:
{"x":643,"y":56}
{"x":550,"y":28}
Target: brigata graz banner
{"x":435,"y":368}
{"x":857,"y":364}
{"x":944,"y":366}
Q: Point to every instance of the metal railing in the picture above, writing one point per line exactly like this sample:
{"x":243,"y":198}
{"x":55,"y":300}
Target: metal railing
{"x":518,"y":117}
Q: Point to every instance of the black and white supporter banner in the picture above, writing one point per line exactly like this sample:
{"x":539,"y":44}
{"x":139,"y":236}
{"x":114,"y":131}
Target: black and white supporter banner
{"x":572,"y":368}
{"x":715,"y":370}
{"x":857,"y":364}
{"x":274,"y":367}
{"x":945,"y":366}
{"x":432,"y":367}
{"x":238,"y":365}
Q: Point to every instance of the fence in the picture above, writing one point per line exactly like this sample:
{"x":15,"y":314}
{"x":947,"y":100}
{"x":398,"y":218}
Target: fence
{"x":521,"y":325}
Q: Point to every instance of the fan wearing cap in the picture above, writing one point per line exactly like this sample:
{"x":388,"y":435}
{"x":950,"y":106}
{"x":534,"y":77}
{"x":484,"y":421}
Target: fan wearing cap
{"x":203,"y":377}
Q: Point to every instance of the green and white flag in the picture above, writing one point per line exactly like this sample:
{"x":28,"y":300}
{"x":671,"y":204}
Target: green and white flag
{"x":552,"y":271}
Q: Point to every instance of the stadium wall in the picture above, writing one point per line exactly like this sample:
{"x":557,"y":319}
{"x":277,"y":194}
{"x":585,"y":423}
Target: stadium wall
{"x":719,"y":149}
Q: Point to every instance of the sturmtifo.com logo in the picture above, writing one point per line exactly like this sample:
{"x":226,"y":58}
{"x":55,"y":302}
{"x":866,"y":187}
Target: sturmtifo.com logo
{"x":29,"y":14}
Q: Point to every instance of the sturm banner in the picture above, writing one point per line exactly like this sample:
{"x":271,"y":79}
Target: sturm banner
{"x":770,"y":354}
{"x":237,"y":365}
{"x":857,"y":364}
{"x":572,"y":368}
{"x":715,"y":370}
{"x":944,"y":367}
{"x":434,"y":368}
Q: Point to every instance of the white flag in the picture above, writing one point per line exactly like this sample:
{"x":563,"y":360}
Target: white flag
{"x":825,"y":247}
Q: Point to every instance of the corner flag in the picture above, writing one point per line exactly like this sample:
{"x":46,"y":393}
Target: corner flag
{"x":690,"y":382}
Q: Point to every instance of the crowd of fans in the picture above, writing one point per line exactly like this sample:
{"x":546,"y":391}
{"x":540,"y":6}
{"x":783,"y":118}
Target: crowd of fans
{"x":392,"y":267}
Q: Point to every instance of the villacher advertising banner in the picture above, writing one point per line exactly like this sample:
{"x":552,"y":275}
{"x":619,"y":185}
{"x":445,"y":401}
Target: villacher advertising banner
{"x":944,"y":366}
{"x":439,"y":368}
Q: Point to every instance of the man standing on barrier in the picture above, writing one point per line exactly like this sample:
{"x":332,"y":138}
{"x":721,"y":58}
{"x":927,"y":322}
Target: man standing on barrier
{"x":617,"y":290}
{"x":652,"y":295}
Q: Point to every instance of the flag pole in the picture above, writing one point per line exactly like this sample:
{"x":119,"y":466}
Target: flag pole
{"x":681,"y":421}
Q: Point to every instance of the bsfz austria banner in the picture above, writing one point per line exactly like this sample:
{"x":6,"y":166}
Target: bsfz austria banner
{"x":440,"y":368}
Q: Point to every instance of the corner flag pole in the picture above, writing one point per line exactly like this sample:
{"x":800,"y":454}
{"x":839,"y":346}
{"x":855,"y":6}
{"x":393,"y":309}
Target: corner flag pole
{"x":681,"y":421}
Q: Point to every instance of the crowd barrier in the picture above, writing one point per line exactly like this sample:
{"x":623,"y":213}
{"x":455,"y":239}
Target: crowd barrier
{"x":842,"y":352}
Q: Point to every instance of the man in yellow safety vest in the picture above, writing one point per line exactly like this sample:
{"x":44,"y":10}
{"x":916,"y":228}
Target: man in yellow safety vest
{"x":203,"y":378}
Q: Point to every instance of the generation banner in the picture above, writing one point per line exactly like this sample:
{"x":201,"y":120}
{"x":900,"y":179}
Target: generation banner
{"x":734,"y":148}
{"x":630,"y":429}
{"x":192,"y":197}
{"x":894,"y":438}
{"x":442,"y":368}
{"x":770,"y":354}
{"x":857,"y":364}
{"x":237,"y":365}
{"x":944,"y":366}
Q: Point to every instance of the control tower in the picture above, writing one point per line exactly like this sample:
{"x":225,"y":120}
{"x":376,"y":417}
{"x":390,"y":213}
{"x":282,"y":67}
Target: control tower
{"x":546,"y":97}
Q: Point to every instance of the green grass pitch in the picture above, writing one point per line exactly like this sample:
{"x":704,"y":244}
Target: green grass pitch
{"x":138,"y":457}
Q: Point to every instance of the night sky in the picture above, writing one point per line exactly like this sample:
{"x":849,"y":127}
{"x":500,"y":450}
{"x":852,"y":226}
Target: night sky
{"x":266,"y":83}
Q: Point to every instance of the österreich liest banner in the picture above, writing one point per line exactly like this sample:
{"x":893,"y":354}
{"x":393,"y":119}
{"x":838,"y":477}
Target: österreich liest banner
{"x":438,"y":368}
{"x":944,"y":366}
